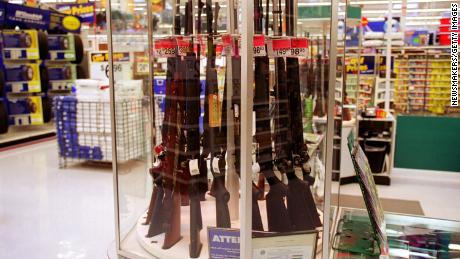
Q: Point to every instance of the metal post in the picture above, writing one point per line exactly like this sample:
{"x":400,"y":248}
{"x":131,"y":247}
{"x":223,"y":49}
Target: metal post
{"x":358,"y":78}
{"x":113,"y":126}
{"x":151,"y":94}
{"x":247,"y":93}
{"x":388,"y":56}
{"x":402,"y":22}
{"x":232,"y":182}
{"x":330,"y":128}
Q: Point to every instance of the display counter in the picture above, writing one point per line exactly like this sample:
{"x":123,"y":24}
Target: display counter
{"x":408,"y":236}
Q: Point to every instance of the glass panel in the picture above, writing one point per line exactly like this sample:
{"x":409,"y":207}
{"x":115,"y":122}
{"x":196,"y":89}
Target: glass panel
{"x":291,"y":102}
{"x":191,"y":186}
{"x":131,"y":112}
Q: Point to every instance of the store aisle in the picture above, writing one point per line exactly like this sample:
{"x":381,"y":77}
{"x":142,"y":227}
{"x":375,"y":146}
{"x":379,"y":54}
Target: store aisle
{"x":47,"y":212}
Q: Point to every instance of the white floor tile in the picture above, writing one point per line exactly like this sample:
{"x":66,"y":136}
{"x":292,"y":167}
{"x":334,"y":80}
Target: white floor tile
{"x":46,"y":212}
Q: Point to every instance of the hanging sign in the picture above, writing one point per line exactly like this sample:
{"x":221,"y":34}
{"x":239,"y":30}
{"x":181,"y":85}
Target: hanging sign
{"x":141,"y":64}
{"x":85,"y":11}
{"x":99,"y":66}
{"x":27,"y":17}
{"x":60,"y":22}
{"x":366,"y":65}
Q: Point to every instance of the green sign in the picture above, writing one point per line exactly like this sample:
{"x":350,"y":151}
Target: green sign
{"x":324,"y":11}
{"x":314,"y":12}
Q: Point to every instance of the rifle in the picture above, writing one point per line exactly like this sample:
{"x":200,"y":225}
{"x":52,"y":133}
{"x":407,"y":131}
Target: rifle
{"x":213,"y":141}
{"x":192,"y":120}
{"x":158,"y":214}
{"x":300,"y":202}
{"x":277,"y":214}
{"x":174,"y":156}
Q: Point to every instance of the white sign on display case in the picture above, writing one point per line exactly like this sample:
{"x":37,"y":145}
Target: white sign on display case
{"x":99,"y":66}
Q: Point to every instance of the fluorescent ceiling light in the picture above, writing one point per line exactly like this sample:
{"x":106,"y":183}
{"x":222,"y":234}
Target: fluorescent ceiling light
{"x":139,"y":9}
{"x":314,"y":4}
{"x":421,"y":23}
{"x":424,"y":18}
{"x":408,"y":6}
{"x":384,"y":12}
{"x":454,"y":247}
{"x":377,"y":2}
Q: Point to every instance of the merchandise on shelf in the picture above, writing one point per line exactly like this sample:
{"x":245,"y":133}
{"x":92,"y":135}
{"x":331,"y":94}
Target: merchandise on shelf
{"x":422,"y":82}
{"x":61,"y":76}
{"x":29,"y":110}
{"x":24,"y":45}
{"x":24,"y":78}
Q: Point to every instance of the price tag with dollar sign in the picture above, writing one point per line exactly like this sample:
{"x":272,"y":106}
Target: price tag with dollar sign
{"x":259,"y":46}
{"x":165,"y":48}
{"x":279,"y":47}
{"x":299,"y":47}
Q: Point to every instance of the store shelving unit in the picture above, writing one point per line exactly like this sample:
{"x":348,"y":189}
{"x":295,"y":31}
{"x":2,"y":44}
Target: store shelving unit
{"x":422,"y":81}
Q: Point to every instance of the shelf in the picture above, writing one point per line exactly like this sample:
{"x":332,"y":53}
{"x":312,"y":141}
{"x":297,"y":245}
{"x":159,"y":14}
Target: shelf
{"x":438,"y":86}
{"x":410,"y":67}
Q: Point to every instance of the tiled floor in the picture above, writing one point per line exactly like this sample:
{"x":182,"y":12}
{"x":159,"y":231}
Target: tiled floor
{"x":46,"y":212}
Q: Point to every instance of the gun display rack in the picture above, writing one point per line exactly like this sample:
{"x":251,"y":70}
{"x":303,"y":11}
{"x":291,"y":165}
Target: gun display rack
{"x":193,"y":153}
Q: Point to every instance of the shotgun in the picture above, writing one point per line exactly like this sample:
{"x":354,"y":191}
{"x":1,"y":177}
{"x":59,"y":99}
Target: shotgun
{"x":300,"y":202}
{"x":192,"y":121}
{"x":213,"y":126}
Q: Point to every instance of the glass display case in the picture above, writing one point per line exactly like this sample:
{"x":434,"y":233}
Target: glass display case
{"x":239,"y":108}
{"x":408,"y":236}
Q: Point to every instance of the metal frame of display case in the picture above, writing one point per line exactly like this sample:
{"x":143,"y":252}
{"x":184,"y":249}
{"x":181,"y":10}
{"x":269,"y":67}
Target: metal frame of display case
{"x":247,"y":79}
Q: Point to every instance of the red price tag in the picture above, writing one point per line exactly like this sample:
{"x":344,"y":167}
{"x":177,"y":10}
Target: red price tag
{"x":259,"y":46}
{"x":299,"y":47}
{"x":165,"y":48}
{"x":219,"y":49}
{"x":280,"y":47}
{"x":227,"y":44}
{"x":183,"y":45}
